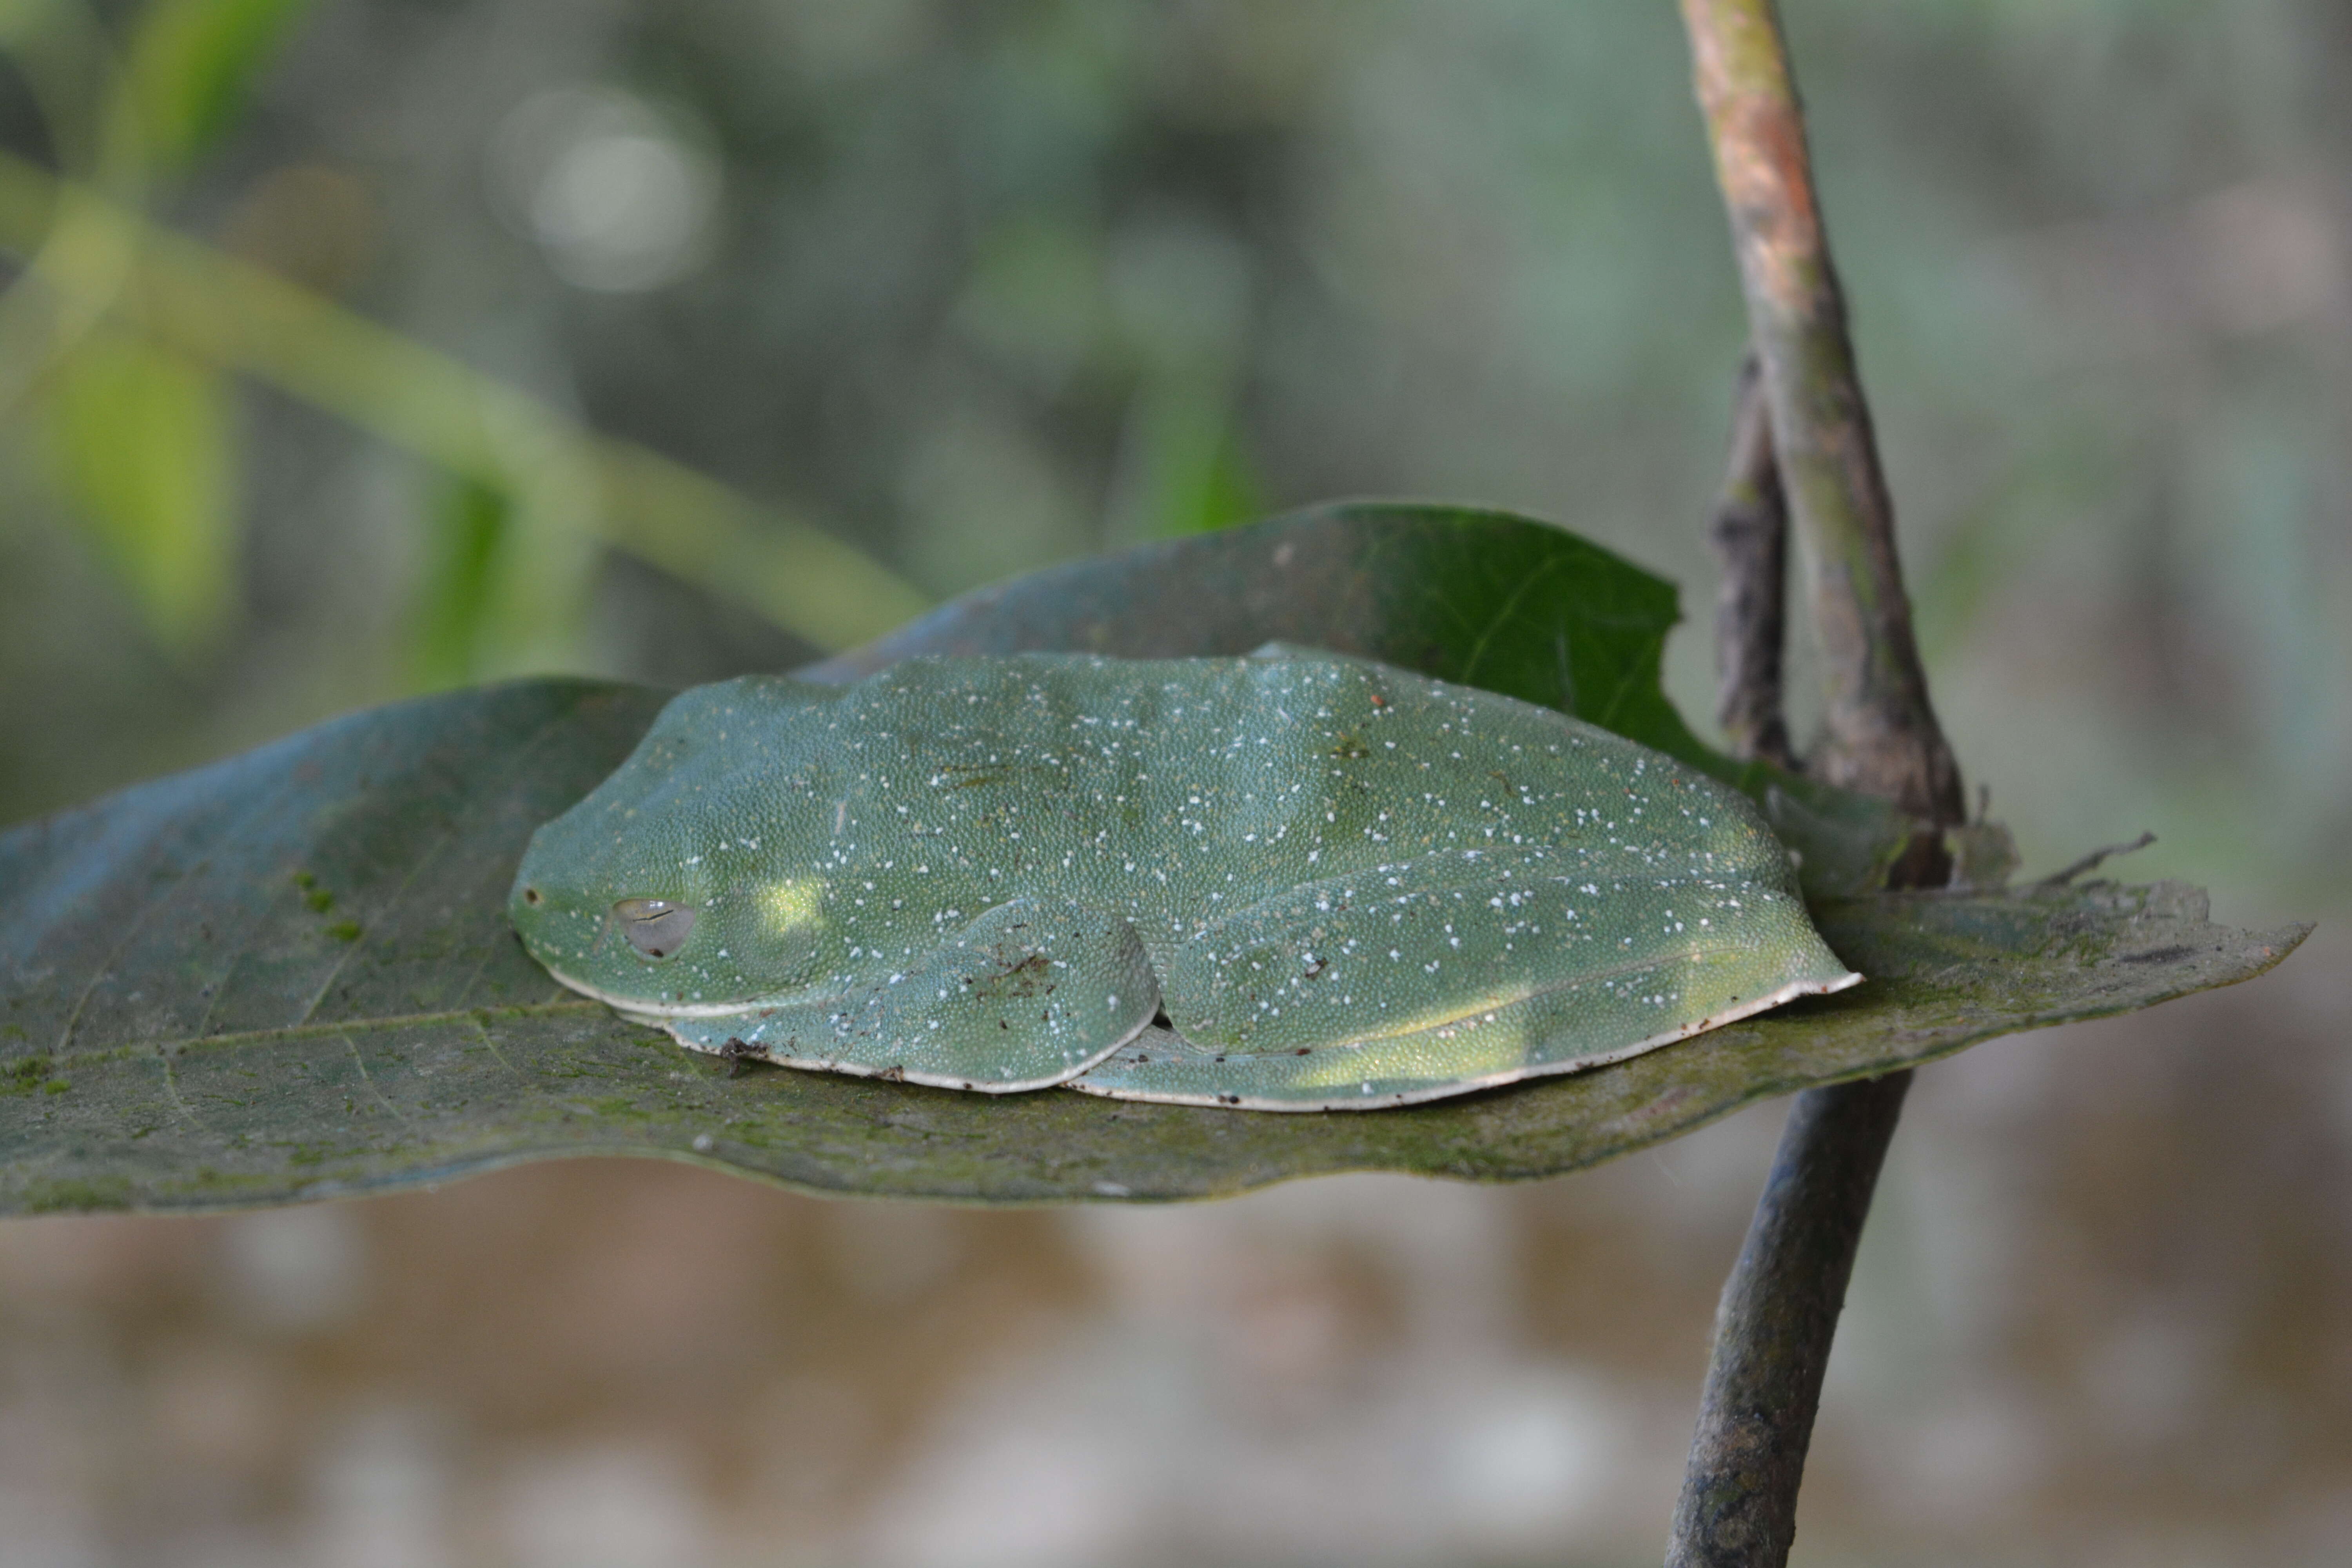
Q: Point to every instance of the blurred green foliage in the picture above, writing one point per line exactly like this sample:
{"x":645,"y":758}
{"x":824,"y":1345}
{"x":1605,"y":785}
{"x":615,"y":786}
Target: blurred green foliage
{"x":471,"y":528}
{"x":191,"y":64}
{"x":965,"y":288}
{"x":145,"y":450}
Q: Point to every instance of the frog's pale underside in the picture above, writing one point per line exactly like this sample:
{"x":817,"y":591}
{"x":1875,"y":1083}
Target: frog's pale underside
{"x":1293,"y":881}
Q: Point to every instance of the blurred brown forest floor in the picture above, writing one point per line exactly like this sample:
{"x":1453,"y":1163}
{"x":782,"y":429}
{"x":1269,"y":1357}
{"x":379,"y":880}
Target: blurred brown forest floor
{"x":972,"y":287}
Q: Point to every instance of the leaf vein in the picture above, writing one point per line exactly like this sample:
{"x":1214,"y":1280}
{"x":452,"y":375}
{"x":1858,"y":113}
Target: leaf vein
{"x":369,"y":1079}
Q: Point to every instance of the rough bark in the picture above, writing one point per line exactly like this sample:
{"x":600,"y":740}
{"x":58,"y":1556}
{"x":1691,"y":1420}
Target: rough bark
{"x":1750,"y":535}
{"x":1880,"y":734}
{"x":1774,"y":1325}
{"x":1780,"y":1306}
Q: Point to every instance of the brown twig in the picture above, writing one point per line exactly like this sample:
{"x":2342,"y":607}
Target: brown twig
{"x":1750,"y":534}
{"x":1772,"y":1330}
{"x":1780,"y":1305}
{"x":1880,"y":731}
{"x":2092,"y":861}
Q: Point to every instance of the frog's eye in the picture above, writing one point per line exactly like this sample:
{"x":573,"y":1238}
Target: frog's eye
{"x":655,"y":927}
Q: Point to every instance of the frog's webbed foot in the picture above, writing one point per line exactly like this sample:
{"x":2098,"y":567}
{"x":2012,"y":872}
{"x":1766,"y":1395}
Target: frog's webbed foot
{"x":1029,"y":994}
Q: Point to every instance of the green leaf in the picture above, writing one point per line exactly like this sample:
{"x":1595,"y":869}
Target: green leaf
{"x":288,"y":974}
{"x":191,"y":65}
{"x":143,"y":447}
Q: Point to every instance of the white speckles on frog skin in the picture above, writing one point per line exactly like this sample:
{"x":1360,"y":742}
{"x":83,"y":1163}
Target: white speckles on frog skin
{"x":1289,"y":882}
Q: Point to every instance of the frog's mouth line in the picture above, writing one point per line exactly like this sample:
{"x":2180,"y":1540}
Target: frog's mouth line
{"x":640,"y":1011}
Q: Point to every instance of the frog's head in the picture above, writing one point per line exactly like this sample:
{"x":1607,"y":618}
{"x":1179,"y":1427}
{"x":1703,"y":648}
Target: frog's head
{"x":672,"y":888}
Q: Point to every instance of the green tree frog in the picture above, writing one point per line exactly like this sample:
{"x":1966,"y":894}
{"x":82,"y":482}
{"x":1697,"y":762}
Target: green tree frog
{"x":1290,"y":881}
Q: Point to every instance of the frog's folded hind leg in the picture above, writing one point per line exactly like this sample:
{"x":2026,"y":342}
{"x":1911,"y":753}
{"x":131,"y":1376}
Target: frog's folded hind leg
{"x":1028,"y":994}
{"x":1454,"y":973}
